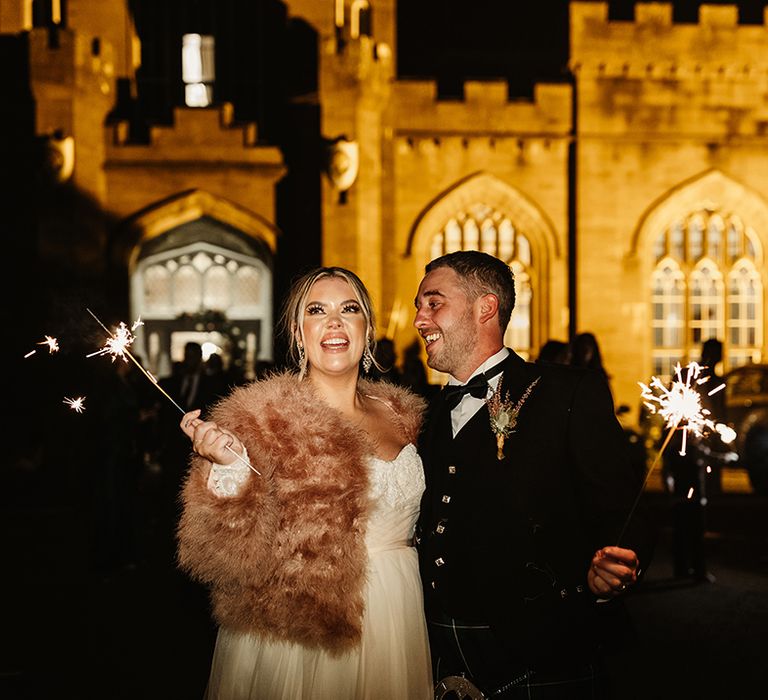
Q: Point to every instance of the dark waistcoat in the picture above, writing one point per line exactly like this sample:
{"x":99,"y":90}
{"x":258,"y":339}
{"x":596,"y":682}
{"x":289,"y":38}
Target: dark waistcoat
{"x":472,"y":517}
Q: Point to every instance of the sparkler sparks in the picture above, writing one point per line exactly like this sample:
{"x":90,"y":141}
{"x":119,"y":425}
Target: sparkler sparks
{"x":680,"y":406}
{"x":117,"y":345}
{"x":118,"y":342}
{"x":52,"y":343}
{"x":77,"y":405}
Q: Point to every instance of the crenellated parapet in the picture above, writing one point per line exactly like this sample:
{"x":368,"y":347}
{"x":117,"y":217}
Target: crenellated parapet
{"x":485,"y":109}
{"x":207,"y":135}
{"x":653,"y":46}
{"x":203,"y":149}
{"x":652,"y":74}
{"x":15,"y":16}
{"x":360,"y":66}
{"x":72,"y":80}
{"x":68,"y":69}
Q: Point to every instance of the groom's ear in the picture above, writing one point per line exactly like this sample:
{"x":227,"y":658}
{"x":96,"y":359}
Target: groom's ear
{"x":488,"y":307}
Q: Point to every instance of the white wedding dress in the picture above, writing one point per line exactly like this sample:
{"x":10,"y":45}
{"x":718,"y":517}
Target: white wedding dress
{"x":392,"y":661}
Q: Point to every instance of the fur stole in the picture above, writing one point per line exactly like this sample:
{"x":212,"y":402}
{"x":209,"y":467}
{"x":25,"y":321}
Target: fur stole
{"x":285,"y":558}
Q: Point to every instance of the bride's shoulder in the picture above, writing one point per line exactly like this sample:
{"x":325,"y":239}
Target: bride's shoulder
{"x":400,"y":399}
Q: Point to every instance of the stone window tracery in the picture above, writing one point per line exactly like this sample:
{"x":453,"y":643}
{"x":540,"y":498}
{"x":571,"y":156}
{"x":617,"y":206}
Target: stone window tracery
{"x":184,"y":284}
{"x":706,"y":284}
{"x":199,"y":280}
{"x":668,"y":302}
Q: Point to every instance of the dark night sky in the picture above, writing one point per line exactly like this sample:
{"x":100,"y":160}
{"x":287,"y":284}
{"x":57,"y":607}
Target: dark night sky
{"x":523,"y":41}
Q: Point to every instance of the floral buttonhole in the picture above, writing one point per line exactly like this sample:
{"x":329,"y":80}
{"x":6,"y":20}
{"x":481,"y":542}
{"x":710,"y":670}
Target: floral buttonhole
{"x":504,"y":415}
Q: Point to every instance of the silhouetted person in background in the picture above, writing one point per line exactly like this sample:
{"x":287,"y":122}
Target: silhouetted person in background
{"x":386,"y":356}
{"x":585,"y":353}
{"x":147,"y":397}
{"x":414,"y":374}
{"x":218,"y":379}
{"x":557,"y":351}
{"x":712,"y":448}
{"x":189,"y":386}
{"x":687,"y":478}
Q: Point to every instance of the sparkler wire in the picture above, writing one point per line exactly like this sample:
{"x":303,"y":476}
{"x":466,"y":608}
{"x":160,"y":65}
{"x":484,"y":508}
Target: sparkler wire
{"x":163,"y":391}
{"x":645,"y":481}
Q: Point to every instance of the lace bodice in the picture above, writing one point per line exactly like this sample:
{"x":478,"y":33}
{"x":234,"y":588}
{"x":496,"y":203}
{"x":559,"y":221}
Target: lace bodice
{"x":396,"y":489}
{"x":397,"y":481}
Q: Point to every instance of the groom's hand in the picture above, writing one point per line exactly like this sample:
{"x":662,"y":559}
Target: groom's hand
{"x":613,"y":569}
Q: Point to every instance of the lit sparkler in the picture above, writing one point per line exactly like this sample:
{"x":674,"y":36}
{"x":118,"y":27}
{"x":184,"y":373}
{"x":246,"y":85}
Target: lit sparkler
{"x":117,"y":345}
{"x":52,"y":343}
{"x":77,"y":405}
{"x":118,"y":342}
{"x":680,"y":406}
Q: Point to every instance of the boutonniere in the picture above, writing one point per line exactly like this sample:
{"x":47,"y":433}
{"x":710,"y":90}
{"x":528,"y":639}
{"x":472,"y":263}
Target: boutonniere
{"x":504,"y":415}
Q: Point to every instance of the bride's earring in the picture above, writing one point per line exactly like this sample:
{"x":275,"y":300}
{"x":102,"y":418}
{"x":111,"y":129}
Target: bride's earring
{"x":300,"y":348}
{"x":367,"y":359}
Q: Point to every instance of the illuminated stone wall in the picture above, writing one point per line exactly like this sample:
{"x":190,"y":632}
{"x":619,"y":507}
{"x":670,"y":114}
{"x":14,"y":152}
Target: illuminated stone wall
{"x":74,"y":72}
{"x":670,"y":118}
{"x":422,"y":161}
{"x":511,"y":156}
{"x":664,"y":118}
{"x":201,"y":151}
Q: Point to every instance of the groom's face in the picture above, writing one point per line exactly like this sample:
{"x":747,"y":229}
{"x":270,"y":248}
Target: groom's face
{"x":445,"y":320}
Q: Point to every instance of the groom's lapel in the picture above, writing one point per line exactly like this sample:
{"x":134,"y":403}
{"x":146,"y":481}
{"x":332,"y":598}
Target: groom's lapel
{"x":517,"y":377}
{"x":439,"y":416}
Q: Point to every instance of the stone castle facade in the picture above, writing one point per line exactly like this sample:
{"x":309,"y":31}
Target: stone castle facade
{"x":631,"y":202}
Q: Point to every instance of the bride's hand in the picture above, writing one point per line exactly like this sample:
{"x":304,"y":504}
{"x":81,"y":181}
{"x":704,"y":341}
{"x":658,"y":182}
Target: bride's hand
{"x":211,"y":442}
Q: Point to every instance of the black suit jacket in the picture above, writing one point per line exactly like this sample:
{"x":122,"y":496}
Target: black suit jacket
{"x":510,"y":541}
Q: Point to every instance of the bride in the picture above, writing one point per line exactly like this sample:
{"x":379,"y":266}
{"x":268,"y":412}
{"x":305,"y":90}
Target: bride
{"x":299,"y":513}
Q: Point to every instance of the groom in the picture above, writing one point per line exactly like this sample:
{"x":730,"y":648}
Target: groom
{"x":528,"y":489}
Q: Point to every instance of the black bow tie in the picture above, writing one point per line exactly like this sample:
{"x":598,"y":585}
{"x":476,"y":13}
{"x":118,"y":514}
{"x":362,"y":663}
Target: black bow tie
{"x":477,"y":387}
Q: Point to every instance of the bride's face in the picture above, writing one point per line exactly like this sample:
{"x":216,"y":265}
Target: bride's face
{"x":334,"y":327}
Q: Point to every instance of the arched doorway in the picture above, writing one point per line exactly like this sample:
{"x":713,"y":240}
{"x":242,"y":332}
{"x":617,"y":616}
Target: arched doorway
{"x":202,"y":271}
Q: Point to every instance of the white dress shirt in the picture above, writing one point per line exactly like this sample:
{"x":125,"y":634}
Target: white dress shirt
{"x":469,"y":405}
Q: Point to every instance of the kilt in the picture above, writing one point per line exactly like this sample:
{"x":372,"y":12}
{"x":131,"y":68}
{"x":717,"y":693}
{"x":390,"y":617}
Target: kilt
{"x":470,"y":649}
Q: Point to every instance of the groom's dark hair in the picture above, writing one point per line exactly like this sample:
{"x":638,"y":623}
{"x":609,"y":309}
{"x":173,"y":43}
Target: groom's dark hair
{"x":480,"y":274}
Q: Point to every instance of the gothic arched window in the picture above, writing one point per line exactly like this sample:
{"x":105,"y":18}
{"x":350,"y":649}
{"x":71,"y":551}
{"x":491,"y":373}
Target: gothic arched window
{"x":480,"y":227}
{"x":668,"y":304}
{"x":706,"y":284}
{"x":705,"y":302}
{"x":743,"y":301}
